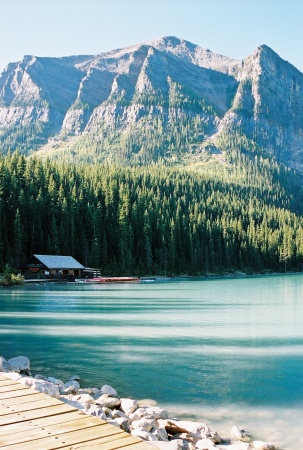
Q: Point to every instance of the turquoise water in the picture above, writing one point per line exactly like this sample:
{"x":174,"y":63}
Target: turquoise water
{"x":228,"y":351}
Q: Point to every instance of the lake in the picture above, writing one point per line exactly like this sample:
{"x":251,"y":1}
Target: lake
{"x":225,"y":351}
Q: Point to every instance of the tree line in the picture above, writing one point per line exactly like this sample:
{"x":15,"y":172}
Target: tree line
{"x":154,"y":219}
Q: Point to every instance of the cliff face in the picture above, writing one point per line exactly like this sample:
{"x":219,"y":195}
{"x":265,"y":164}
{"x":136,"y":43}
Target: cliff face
{"x":160,"y":98}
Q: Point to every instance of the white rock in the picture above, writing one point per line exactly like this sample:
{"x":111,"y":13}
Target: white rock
{"x":56,"y":381}
{"x":42,"y":386}
{"x":239,"y":434}
{"x":19,"y":363}
{"x":177,"y":444}
{"x":84,"y":399}
{"x":144,"y":423}
{"x":205,"y":444}
{"x":75,"y":378}
{"x":73,"y":403}
{"x":123,"y":423}
{"x":116,"y":413}
{"x":106,"y":389}
{"x":96,"y":411}
{"x":143,"y":434}
{"x":260,"y":445}
{"x":109,"y":402}
{"x":72,"y":383}
{"x":38,"y":376}
{"x":235,"y":446}
{"x":128,"y":405}
{"x":160,"y":434}
{"x":151,"y":412}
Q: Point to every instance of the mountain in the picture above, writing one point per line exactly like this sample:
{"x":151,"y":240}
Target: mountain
{"x":167,"y":99}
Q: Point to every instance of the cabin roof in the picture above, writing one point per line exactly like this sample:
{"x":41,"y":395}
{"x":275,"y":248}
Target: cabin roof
{"x":59,"y":262}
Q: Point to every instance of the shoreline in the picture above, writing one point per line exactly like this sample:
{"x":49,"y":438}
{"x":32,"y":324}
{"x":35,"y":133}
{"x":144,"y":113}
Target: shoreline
{"x":149,"y":422}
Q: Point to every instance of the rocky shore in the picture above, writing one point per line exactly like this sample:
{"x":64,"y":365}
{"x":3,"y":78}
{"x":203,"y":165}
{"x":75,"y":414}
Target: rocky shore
{"x":148,"y":422}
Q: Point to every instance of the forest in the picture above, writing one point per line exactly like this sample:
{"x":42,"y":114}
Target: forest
{"x":155,"y":219}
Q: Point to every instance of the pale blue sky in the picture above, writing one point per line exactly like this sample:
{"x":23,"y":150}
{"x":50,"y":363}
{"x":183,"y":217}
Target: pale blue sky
{"x":230,"y":27}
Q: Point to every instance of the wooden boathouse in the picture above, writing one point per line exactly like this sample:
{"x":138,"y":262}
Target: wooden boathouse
{"x":52,"y":267}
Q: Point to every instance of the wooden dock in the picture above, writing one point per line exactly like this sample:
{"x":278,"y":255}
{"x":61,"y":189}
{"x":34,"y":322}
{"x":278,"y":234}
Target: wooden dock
{"x":30,"y":420}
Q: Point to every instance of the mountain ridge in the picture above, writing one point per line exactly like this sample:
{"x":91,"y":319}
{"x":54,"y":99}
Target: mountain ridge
{"x":167,"y":98}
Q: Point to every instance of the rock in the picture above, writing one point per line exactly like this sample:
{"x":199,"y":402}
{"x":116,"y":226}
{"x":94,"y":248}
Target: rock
{"x":96,"y":411}
{"x":116,"y":413}
{"x":160,"y":434}
{"x":235,"y":446}
{"x":143,"y":434}
{"x":196,"y":429}
{"x":260,"y":445}
{"x":71,"y":387}
{"x":239,"y":434}
{"x":144,"y":423}
{"x":109,"y":402}
{"x":128,"y":406}
{"x":123,"y":423}
{"x":106,"y":389}
{"x":213,"y":436}
{"x":72,"y":383}
{"x":151,"y":412}
{"x":75,"y":378}
{"x":107,"y":411}
{"x":205,"y":444}
{"x":84,"y":399}
{"x":19,"y":364}
{"x":177,"y":444}
{"x":56,"y":381}
{"x":42,"y":386}
{"x":73,"y":403}
{"x":40,"y":377}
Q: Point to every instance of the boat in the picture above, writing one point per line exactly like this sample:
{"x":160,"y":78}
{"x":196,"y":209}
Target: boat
{"x":112,"y":280}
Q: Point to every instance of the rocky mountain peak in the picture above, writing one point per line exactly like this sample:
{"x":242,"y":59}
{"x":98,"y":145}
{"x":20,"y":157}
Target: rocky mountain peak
{"x":158,"y":98}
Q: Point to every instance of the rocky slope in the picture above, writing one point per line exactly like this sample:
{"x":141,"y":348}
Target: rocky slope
{"x":163,"y":99}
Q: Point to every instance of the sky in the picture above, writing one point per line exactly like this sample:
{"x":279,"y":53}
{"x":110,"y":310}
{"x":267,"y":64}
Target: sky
{"x":234,"y":28}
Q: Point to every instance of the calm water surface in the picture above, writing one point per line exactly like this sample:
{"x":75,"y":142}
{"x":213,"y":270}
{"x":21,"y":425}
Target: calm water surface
{"x":227,"y":351}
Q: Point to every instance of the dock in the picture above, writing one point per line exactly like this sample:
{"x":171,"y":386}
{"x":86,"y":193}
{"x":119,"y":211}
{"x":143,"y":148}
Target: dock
{"x":30,"y":420}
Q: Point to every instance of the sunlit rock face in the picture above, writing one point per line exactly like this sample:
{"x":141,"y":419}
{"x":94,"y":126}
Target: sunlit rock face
{"x":154,"y":88}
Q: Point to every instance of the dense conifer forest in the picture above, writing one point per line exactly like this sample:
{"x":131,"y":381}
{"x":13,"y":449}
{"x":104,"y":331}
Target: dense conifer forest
{"x":246,"y":215}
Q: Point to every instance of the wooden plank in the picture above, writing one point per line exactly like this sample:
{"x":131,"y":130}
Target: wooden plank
{"x":13,"y":387}
{"x":15,"y":393}
{"x":47,"y":401}
{"x":40,"y":432}
{"x":16,"y":417}
{"x":31,"y":397}
{"x":6,"y":382}
{"x":65,"y":440}
{"x":111,"y":443}
{"x":41,"y":422}
{"x":32,"y":420}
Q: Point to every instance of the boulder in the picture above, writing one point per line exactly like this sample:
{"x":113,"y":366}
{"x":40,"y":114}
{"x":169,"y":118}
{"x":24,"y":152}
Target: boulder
{"x":116,"y":413}
{"x":177,"y":444}
{"x":42,"y":386}
{"x":106,"y":389}
{"x":75,"y":378}
{"x":108,"y":402}
{"x":56,"y":381}
{"x":260,"y":445}
{"x":239,"y":434}
{"x":94,"y":410}
{"x":40,"y":377}
{"x":151,"y":412}
{"x":236,"y":446}
{"x":84,"y":399}
{"x":160,"y":434}
{"x":145,"y":424}
{"x":19,"y":364}
{"x":128,"y":406}
{"x":143,"y":434}
{"x":205,"y":444}
{"x":123,"y":423}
